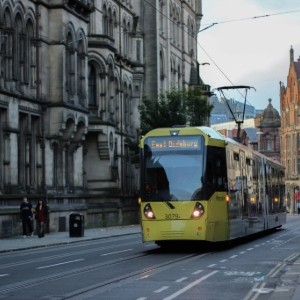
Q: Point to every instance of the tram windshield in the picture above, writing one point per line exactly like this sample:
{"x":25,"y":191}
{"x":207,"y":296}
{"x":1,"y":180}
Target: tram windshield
{"x":173,"y":168}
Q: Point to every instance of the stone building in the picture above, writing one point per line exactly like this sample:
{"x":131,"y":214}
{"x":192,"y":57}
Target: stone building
{"x":72,"y":75}
{"x":268,"y":126}
{"x":290,"y":131}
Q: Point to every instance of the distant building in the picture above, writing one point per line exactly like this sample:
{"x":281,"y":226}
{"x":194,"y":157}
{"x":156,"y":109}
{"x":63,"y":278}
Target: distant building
{"x":221,"y":111}
{"x":268,"y":129}
{"x":260,"y":133}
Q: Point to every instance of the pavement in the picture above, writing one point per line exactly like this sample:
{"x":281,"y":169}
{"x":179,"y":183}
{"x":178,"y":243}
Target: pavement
{"x":17,"y":243}
{"x":287,"y":288}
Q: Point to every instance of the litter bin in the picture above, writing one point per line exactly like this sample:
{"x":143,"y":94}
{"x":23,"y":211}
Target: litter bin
{"x":76,"y":225}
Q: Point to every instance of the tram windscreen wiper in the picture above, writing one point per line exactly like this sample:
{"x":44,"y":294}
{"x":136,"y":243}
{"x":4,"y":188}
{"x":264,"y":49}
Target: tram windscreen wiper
{"x":170,"y":205}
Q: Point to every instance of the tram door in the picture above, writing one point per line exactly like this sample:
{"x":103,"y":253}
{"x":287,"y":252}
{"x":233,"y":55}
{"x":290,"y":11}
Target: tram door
{"x":244,"y":185}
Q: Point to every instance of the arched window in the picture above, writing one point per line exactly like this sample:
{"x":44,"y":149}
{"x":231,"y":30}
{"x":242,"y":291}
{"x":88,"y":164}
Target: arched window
{"x":30,"y":62}
{"x":161,"y":20}
{"x":81,"y":71}
{"x":124,"y":38}
{"x":111,"y":91}
{"x":18,"y":51}
{"x":92,"y":85}
{"x":105,"y":20}
{"x":178,"y":30}
{"x":178,"y":78}
{"x":110,"y":23}
{"x":70,"y":67}
{"x":8,"y":49}
{"x":114,"y":24}
{"x":162,"y":71}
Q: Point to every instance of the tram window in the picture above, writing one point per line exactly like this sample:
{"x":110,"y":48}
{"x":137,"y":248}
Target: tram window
{"x":236,"y":156}
{"x":248,"y":161}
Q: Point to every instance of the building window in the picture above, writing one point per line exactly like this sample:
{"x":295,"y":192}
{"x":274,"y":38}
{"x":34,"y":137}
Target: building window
{"x":92,"y":84}
{"x":298,"y":165}
{"x":138,"y":50}
{"x":269,"y":145}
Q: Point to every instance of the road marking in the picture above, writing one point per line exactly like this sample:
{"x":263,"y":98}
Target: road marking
{"x":142,"y":298}
{"x":197,"y":272}
{"x":2,"y":275}
{"x":181,"y":279}
{"x":190,"y":286}
{"x":249,"y":249}
{"x":242,"y":252}
{"x":223,"y":260}
{"x":111,"y":253}
{"x":233,"y":256}
{"x":162,"y":289}
{"x":210,"y":266}
{"x":67,"y":262}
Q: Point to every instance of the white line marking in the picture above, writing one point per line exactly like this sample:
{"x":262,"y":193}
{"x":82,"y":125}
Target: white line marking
{"x":210,"y":266}
{"x":2,"y":275}
{"x":249,"y":249}
{"x":181,"y":279}
{"x":223,"y":260}
{"x":111,"y":253}
{"x":242,"y":252}
{"x":162,"y":289}
{"x":142,"y":298}
{"x":67,"y":262}
{"x":190,"y":286}
{"x":197,"y":272}
{"x":233,"y":256}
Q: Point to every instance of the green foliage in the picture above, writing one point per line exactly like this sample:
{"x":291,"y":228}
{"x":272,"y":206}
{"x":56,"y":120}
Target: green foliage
{"x":175,"y":107}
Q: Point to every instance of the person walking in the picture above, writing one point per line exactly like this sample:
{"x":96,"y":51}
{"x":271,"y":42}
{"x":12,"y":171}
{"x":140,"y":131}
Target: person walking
{"x":26,"y":216}
{"x":41,"y":216}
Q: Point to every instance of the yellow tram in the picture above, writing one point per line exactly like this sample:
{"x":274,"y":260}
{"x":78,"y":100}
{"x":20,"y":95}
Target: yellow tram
{"x":199,"y":185}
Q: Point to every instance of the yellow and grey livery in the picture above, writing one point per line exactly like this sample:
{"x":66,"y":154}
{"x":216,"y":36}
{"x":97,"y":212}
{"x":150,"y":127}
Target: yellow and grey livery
{"x":197,"y":184}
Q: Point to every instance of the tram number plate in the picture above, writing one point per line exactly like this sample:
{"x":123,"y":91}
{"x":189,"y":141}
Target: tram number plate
{"x":171,"y":216}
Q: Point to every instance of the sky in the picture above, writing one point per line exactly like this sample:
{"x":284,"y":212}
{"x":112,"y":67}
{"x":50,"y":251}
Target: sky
{"x":253,"y":52}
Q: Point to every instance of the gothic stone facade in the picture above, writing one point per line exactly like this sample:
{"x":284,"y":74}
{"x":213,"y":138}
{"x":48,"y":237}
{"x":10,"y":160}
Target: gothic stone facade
{"x":72,"y":75}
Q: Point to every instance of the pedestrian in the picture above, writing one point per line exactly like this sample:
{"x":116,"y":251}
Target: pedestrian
{"x":298,"y":206}
{"x":41,"y":216}
{"x":26,"y":216}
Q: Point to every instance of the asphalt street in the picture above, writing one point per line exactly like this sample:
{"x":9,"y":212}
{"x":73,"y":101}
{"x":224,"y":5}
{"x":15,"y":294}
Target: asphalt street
{"x":122,"y":267}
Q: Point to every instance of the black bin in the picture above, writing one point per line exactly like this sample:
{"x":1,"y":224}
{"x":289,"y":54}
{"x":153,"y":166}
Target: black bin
{"x":76,"y":225}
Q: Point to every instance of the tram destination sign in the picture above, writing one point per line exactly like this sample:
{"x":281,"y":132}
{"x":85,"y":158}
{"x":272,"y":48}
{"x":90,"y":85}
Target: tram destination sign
{"x":166,"y":143}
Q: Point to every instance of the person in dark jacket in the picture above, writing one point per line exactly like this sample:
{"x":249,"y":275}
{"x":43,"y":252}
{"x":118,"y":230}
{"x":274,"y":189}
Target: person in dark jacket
{"x":26,"y":216}
{"x":41,"y":216}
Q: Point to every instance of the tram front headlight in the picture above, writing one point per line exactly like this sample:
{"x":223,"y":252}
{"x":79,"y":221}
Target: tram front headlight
{"x":148,"y":212}
{"x":198,"y":211}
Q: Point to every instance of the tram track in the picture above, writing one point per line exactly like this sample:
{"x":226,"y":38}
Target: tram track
{"x":57,"y":256}
{"x":42,"y":280}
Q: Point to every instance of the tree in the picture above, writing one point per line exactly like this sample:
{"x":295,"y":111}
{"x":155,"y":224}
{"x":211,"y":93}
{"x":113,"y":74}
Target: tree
{"x":175,"y":107}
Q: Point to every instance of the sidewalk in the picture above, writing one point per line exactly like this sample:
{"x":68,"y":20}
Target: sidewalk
{"x":18,"y":243}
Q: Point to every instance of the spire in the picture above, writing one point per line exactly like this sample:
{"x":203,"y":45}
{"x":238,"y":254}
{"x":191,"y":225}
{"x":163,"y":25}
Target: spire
{"x":291,"y":55}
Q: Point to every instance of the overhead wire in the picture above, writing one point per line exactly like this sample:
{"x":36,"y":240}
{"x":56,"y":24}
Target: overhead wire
{"x":255,"y":17}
